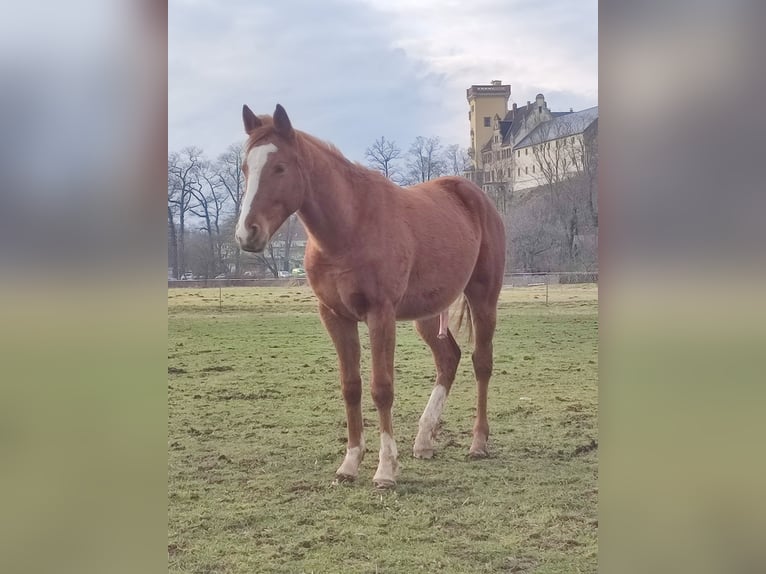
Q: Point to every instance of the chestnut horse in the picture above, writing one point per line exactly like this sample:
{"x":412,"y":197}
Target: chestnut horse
{"x":379,"y":253}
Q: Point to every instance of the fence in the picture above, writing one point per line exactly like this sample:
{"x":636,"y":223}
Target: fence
{"x":510,"y":281}
{"x":514,"y":279}
{"x":203,"y":283}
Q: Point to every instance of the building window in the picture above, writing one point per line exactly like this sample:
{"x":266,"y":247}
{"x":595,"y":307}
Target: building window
{"x":518,"y":153}
{"x":539,"y":109}
{"x":526,"y":151}
{"x":526,"y":170}
{"x":533,"y":169}
{"x":486,"y":121}
{"x":518,"y":171}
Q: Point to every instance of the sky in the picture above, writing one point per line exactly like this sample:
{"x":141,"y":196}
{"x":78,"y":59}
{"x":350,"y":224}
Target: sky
{"x":351,"y":71}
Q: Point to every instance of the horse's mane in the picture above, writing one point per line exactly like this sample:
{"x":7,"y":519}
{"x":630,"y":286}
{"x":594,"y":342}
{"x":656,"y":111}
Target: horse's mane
{"x":351,"y":168}
{"x":327,"y":146}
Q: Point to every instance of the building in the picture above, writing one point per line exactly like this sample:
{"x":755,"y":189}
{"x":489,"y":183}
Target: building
{"x":526,"y":146}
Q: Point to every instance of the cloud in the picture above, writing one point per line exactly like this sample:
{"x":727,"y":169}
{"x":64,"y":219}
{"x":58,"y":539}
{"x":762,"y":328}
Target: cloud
{"x":350,"y":72}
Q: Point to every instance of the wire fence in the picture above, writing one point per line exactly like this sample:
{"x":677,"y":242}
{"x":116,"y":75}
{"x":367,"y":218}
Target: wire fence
{"x":513,"y":279}
{"x":541,"y":281}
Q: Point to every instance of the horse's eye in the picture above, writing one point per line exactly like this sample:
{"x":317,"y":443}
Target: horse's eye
{"x":279,"y":168}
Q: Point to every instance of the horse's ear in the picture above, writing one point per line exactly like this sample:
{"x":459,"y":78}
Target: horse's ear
{"x":282,"y":123}
{"x":250,"y":119}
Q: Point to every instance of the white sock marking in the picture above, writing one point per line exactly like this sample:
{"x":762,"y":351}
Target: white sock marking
{"x":433,"y":411}
{"x":354,"y":456}
{"x":388,"y":464}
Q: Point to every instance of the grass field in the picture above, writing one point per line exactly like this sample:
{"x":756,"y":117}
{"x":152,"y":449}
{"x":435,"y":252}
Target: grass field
{"x":256,"y":431}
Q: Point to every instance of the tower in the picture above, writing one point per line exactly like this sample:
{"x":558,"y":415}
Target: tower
{"x":485,"y":102}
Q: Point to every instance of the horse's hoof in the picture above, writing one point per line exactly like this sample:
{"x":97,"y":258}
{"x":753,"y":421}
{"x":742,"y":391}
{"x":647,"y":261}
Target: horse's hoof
{"x":423,"y":452}
{"x":384,"y":483}
{"x":478,"y":454}
{"x":341,"y":478}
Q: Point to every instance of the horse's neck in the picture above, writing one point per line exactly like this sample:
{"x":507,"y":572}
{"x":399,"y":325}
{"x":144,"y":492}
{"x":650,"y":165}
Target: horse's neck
{"x":331,"y":208}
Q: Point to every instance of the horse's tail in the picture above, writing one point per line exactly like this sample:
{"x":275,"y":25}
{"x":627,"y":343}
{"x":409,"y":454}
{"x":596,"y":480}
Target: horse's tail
{"x":465,"y":313}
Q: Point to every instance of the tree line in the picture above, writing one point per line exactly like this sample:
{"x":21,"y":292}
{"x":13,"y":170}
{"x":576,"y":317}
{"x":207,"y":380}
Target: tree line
{"x":552,"y":226}
{"x":205,"y":195}
{"x":204,"y":198}
{"x":427,"y":158}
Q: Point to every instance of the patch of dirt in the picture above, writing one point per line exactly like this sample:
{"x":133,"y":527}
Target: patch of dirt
{"x":176,"y":371}
{"x":593,"y":445}
{"x":576,"y":408}
{"x":173,"y":550}
{"x":303,"y":487}
{"x":236,"y":395}
{"x":217,"y":369}
{"x":520,"y":565}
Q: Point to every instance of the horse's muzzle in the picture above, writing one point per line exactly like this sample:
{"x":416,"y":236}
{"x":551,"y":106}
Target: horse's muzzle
{"x":253,"y":244}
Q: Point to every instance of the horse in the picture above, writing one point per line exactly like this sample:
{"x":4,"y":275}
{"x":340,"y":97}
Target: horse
{"x":379,"y":253}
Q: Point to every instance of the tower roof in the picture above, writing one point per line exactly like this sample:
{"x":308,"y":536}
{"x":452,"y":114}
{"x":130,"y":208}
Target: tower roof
{"x":495,"y":89}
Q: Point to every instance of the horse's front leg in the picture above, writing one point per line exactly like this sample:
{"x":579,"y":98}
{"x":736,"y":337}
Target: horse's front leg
{"x":382,"y":326}
{"x":345,"y":337}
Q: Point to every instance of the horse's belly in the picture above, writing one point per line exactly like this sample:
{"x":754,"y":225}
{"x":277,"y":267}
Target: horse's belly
{"x":428,"y":294}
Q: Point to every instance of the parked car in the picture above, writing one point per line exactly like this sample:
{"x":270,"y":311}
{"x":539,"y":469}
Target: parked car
{"x":188,"y":276}
{"x":284,"y":274}
{"x":299,"y":272}
{"x":221,"y":276}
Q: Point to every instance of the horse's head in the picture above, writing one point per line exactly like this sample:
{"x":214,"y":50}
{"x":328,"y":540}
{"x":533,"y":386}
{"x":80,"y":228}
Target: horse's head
{"x":274,"y":184}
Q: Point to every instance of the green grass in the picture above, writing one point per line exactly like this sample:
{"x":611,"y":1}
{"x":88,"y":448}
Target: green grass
{"x":257,"y":428}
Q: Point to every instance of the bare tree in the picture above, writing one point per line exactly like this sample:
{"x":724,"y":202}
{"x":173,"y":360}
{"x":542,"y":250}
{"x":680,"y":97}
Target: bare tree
{"x":278,"y":252}
{"x":211,"y":199}
{"x":530,"y":235}
{"x":425,"y":160}
{"x":233,"y":181}
{"x":588,"y":167}
{"x":172,"y":234}
{"x":456,"y":160}
{"x":183,"y":181}
{"x":556,"y":159}
{"x":382,"y":155}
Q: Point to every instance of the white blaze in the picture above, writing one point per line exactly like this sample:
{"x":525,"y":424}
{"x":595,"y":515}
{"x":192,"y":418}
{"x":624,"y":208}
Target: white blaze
{"x":255,"y":161}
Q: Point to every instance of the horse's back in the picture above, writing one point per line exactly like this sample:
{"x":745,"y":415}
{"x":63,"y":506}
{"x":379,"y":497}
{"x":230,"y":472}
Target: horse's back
{"x":471,"y":202}
{"x":490,"y":263}
{"x":458,"y":235}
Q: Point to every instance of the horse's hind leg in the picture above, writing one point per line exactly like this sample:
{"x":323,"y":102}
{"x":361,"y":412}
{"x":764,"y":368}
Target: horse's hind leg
{"x":446,"y":354}
{"x":482,"y":293}
{"x":484,"y":319}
